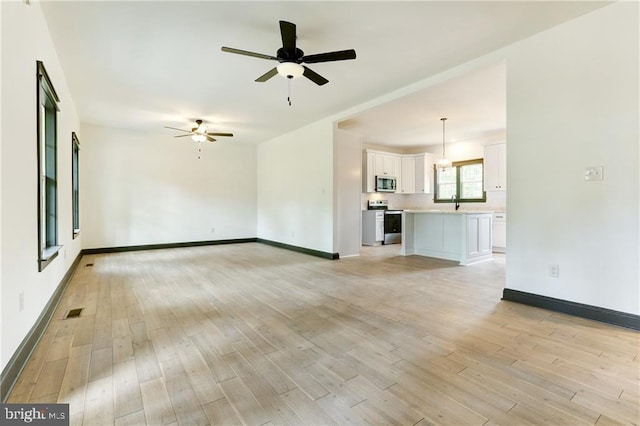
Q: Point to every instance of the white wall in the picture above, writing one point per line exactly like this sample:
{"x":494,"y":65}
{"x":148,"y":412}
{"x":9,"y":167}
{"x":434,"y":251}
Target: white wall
{"x":25,"y":39}
{"x":347,"y":187}
{"x":572,"y":101}
{"x":295,"y":188}
{"x":140,"y":188}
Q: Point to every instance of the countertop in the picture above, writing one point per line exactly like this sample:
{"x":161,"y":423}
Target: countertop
{"x":436,"y":211}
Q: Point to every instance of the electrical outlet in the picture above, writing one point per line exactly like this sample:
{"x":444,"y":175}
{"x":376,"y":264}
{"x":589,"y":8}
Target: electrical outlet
{"x":593,"y":173}
{"x":21,"y":301}
{"x":554,"y":270}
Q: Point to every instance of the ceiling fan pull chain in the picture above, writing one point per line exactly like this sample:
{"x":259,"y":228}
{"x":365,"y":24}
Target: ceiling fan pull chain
{"x":199,"y":149}
{"x":289,"y":91}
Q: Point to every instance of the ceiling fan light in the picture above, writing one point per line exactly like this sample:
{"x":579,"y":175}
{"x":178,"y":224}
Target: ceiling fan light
{"x":198,"y":138}
{"x":201,"y":128}
{"x":290,"y":70}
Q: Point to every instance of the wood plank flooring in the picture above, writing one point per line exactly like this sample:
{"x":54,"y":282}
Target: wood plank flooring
{"x":253,"y":334}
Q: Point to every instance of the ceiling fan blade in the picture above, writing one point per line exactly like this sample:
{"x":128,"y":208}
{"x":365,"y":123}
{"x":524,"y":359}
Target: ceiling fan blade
{"x":266,"y":76}
{"x":288,"y":33}
{"x":341,"y":55}
{"x":314,"y":76}
{"x":210,"y":139}
{"x":219,"y":134}
{"x":174,"y":128}
{"x":247,"y":53}
{"x":182,"y":136}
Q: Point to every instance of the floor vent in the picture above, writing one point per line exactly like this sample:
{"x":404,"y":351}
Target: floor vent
{"x":88,"y":264}
{"x":74,"y":313}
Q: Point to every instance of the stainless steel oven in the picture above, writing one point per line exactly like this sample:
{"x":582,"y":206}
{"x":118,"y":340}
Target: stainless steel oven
{"x":392,"y":226}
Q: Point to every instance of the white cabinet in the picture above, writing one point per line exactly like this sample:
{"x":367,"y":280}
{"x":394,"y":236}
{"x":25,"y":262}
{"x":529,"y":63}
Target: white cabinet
{"x":478,"y":235}
{"x":417,"y":170}
{"x":499,"y":232}
{"x":372,"y":227}
{"x":408,"y":175}
{"x":386,"y":164}
{"x":495,"y":167}
{"x":414,"y":172}
{"x":378,"y":163}
{"x":464,"y":237}
{"x":423,"y":173}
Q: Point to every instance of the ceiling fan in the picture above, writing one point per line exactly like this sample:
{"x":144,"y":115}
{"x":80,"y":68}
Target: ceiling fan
{"x":199,"y":133}
{"x":291,"y":58}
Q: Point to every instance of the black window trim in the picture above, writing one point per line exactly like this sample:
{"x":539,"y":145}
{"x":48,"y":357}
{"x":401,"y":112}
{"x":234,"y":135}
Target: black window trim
{"x":75,"y":197}
{"x":44,"y":88}
{"x":458,"y":164}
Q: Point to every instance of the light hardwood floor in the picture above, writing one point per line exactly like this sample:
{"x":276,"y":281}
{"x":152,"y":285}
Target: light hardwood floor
{"x":252,"y":334}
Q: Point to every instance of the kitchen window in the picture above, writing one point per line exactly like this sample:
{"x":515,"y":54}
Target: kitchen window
{"x":462,"y":182}
{"x":47,"y":100}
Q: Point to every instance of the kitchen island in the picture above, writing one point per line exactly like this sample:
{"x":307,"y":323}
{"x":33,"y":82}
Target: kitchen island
{"x":463,"y":236}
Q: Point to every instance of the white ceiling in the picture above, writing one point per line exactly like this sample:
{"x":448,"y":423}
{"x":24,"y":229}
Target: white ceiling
{"x":475,"y":106}
{"x":145,"y":65}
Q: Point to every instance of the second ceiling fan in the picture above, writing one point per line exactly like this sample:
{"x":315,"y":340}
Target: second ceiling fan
{"x":291,"y":57}
{"x":199,"y":133}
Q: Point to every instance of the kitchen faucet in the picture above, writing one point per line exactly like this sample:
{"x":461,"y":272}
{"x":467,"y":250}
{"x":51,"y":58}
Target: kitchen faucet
{"x":455,"y":200}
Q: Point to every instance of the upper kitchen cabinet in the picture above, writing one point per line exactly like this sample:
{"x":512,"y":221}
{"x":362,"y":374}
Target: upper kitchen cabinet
{"x":495,"y":167}
{"x":417,"y":170}
{"x":414,"y":172}
{"x":378,"y":163}
{"x":386,"y":164}
{"x":424,"y":173}
{"x":408,"y":181}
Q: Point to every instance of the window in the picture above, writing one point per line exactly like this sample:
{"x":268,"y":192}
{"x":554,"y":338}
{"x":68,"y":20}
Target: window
{"x":463,"y":181}
{"x":47,"y":169}
{"x":75,"y":183}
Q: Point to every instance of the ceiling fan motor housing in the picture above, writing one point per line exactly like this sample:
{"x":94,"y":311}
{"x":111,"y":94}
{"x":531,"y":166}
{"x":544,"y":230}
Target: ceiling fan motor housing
{"x":290,"y":64}
{"x":198,"y":129}
{"x":286,"y":56}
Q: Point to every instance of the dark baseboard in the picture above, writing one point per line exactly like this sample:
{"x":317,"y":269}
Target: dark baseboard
{"x":311,"y":252}
{"x":596,"y":313}
{"x":166,"y":246}
{"x":18,"y":361}
{"x":317,"y":253}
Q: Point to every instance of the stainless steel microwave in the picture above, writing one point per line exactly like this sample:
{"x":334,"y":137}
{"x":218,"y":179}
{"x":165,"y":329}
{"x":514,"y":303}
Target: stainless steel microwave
{"x":386,"y":184}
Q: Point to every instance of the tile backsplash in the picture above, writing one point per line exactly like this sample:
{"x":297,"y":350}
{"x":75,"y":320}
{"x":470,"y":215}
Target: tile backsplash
{"x":496,"y":200}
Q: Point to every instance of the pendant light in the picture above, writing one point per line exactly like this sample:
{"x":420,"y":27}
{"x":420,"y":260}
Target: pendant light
{"x":443,"y":163}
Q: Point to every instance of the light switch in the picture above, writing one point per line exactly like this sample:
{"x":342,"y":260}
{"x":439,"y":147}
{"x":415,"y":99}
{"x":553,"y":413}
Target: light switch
{"x":593,"y":173}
